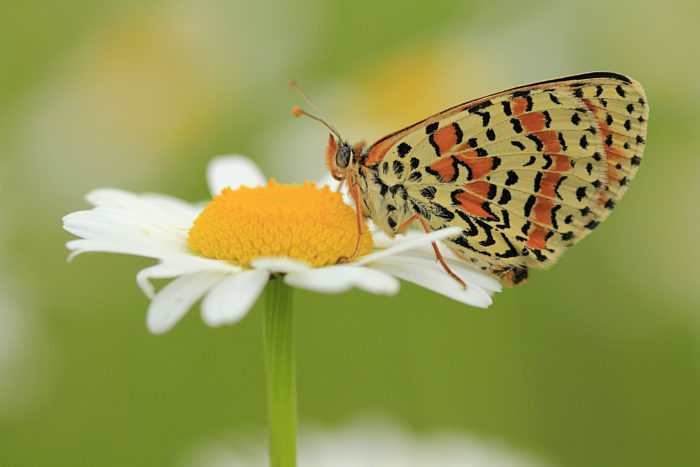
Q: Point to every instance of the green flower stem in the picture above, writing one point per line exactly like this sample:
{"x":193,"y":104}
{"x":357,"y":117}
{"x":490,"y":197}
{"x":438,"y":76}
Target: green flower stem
{"x":281,"y":374}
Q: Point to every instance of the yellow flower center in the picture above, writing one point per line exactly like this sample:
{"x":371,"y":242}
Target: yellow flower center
{"x":304,"y":222}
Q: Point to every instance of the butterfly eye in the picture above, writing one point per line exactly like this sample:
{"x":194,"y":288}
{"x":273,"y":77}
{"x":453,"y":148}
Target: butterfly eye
{"x":342,"y":156}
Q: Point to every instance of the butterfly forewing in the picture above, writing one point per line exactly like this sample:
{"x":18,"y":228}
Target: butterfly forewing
{"x":525,"y":173}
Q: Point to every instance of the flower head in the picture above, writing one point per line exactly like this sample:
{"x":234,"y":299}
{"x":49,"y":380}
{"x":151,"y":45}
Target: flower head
{"x":225,"y":252}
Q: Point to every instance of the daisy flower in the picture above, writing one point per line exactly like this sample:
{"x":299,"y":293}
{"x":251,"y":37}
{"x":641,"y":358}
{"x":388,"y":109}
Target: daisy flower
{"x":226,"y":251}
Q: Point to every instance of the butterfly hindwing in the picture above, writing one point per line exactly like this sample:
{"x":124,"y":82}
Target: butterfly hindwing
{"x":526,"y":172}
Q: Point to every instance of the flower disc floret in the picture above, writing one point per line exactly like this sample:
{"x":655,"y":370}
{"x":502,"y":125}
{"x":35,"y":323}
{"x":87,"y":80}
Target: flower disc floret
{"x":304,"y":222}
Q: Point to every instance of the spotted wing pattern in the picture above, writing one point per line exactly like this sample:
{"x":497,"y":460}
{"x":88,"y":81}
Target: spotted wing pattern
{"x":525,"y":173}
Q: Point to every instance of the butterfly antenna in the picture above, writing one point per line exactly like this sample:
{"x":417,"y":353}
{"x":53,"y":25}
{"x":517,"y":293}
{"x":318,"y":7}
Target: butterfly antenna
{"x":297,"y":111}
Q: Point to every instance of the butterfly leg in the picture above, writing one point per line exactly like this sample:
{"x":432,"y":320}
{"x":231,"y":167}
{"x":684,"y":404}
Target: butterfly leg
{"x":439,"y":257}
{"x":404,"y":226}
{"x":358,"y":245}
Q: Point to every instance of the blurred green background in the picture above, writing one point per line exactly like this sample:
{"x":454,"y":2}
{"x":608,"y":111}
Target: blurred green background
{"x":595,"y":362}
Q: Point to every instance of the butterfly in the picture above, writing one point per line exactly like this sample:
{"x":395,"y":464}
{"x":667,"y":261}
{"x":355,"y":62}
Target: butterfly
{"x":525,"y":172}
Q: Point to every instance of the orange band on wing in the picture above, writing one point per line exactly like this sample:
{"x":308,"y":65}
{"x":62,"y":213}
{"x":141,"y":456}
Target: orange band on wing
{"x":550,"y":140}
{"x":536,"y":238}
{"x":533,"y":121}
{"x":471,"y":204}
{"x":444,"y":168}
{"x":543,"y":211}
{"x":518,"y":105}
{"x":549,"y":183}
{"x":445,"y":138}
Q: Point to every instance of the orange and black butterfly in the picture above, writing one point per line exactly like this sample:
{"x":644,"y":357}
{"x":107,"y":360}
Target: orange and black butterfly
{"x":525,"y":173}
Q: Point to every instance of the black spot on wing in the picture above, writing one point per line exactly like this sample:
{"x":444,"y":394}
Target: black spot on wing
{"x":399,"y":190}
{"x":510,"y":253}
{"x":548,"y":161}
{"x":403,"y":149}
{"x":489,"y":240}
{"x":505,"y":224}
{"x":529,"y":204}
{"x":420,"y":210}
{"x":432,"y":128}
{"x":538,"y":181}
{"x":547,"y":118}
{"x":398,"y":168}
{"x":562,"y":142}
{"x":485,"y":118}
{"x":432,"y":142}
{"x":458,"y":132}
{"x":441,"y":212}
{"x":592,"y":225}
{"x":505,"y":197}
{"x":428,"y":192}
{"x":517,"y":127}
{"x":536,"y":140}
{"x":506,"y":108}
{"x":583,"y":142}
{"x":556,"y":187}
{"x":553,"y":216}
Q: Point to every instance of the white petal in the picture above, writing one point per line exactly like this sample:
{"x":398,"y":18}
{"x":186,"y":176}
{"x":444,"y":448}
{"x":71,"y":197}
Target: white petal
{"x":112,"y":197}
{"x":173,"y":206}
{"x":111,"y":229}
{"x":464,"y":269}
{"x":279,"y":264}
{"x":233,"y":297}
{"x":78,"y":247}
{"x":178,"y":266}
{"x":335,"y":279}
{"x":430,"y":275}
{"x":408,"y":243}
{"x":156,"y":207}
{"x":177,"y":298}
{"x":233,"y":171}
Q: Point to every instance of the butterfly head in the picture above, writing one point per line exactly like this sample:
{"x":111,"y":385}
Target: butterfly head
{"x":339,"y":157}
{"x":340,"y":154}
